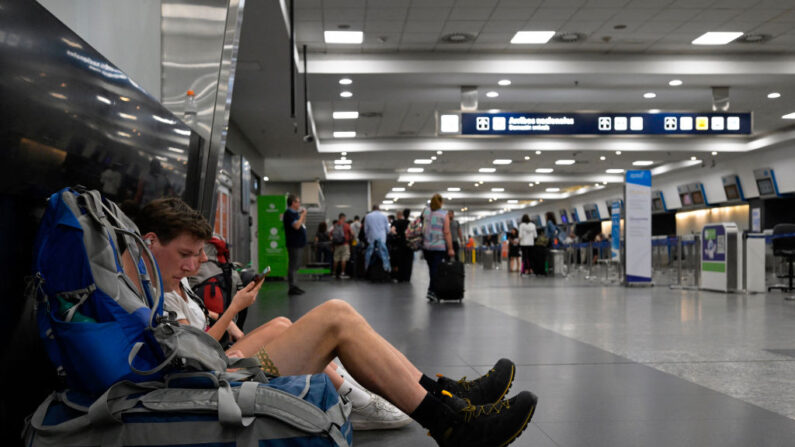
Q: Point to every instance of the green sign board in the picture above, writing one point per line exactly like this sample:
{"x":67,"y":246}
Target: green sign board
{"x":270,"y":234}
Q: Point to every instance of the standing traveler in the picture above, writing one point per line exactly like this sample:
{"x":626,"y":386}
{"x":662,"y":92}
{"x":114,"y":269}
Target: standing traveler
{"x":552,"y":230}
{"x":455,"y":233}
{"x":404,"y":259}
{"x":323,"y":253}
{"x":514,"y":251}
{"x":437,"y":242}
{"x":341,"y":238}
{"x":376,"y":227}
{"x":295,"y":234}
{"x":527,"y":235}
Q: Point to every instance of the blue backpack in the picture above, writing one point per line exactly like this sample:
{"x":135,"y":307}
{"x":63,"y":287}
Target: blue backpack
{"x":93,"y":319}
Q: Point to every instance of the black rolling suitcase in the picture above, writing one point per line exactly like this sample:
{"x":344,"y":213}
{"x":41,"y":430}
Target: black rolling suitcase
{"x":450,"y":280}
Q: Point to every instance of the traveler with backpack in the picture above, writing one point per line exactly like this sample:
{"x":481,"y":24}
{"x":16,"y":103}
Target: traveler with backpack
{"x":437,"y":242}
{"x":341,"y":239}
{"x":460,"y":413}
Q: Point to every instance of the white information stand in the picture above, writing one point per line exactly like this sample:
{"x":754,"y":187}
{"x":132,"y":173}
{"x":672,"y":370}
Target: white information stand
{"x":637,"y":227}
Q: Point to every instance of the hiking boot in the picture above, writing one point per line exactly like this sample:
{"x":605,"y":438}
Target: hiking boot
{"x":493,"y":425}
{"x":487,"y":389}
{"x":378,"y":415}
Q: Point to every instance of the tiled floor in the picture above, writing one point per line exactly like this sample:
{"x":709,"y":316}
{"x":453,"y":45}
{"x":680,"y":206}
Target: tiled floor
{"x":612,"y":366}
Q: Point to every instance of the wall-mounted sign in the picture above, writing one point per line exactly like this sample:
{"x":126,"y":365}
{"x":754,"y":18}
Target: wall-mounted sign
{"x":606,"y":123}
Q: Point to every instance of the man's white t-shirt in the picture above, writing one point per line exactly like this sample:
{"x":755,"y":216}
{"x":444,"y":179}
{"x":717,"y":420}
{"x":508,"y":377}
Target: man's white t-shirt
{"x":185,"y":309}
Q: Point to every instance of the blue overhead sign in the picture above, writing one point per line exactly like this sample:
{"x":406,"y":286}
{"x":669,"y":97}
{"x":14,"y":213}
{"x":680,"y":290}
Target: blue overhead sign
{"x":606,"y":123}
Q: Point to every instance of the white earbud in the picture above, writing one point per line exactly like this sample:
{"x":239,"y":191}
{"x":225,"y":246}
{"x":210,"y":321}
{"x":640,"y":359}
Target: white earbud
{"x":148,"y":242}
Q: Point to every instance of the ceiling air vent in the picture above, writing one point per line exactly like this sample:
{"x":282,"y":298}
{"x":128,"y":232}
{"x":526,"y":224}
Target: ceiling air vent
{"x":754,"y":38}
{"x":457,"y":38}
{"x":568,"y":37}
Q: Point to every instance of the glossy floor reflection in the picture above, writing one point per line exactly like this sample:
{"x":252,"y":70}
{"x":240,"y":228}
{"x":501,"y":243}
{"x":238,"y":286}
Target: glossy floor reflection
{"x":611,"y":366}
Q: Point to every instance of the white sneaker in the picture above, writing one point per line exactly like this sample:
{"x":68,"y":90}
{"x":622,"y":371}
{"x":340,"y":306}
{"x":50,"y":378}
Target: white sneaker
{"x":378,"y":415}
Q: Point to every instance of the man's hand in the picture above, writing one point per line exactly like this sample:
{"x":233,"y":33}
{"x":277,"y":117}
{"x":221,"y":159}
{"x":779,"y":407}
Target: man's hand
{"x":246,"y":296}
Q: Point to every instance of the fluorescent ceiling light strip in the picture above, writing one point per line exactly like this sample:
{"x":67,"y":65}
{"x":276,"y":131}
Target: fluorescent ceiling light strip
{"x":346,"y":115}
{"x":343,"y":162}
{"x":342,"y":167}
{"x":642,"y":163}
{"x":487,"y":170}
{"x":423,"y":161}
{"x":344,"y":37}
{"x":416,"y":170}
{"x":344,"y":134}
{"x":565,"y":162}
{"x":502,"y":161}
{"x":454,"y":189}
{"x":532,"y":37}
{"x":614,"y":171}
{"x":716,"y":38}
{"x":544,"y":170}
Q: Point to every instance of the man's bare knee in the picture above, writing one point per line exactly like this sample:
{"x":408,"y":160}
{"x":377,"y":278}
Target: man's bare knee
{"x":282,"y":322}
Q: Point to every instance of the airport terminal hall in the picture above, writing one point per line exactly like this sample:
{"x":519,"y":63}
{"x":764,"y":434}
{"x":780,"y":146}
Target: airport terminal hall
{"x":398,"y":223}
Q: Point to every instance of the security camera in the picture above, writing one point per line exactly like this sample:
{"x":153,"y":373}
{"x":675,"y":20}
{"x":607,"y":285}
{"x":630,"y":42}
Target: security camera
{"x":309,"y":138}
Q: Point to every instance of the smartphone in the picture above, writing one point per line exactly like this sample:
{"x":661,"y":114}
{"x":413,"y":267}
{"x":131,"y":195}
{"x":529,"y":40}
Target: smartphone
{"x":261,"y":276}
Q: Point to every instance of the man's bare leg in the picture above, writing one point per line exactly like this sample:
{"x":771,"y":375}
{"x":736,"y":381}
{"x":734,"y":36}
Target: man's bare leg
{"x":335,"y":329}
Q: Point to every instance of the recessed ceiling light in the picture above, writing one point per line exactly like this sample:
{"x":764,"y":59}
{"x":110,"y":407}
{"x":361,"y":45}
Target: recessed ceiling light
{"x":544,"y":170}
{"x":614,"y":171}
{"x":716,"y":38}
{"x":448,"y":124}
{"x":654,"y":110}
{"x":387,"y":202}
{"x":433,"y":157}
{"x":604,"y":182}
{"x":265,"y":178}
{"x":454,"y":189}
{"x":649,"y":95}
{"x":618,"y":152}
{"x":411,"y":183}
{"x":504,"y":82}
{"x":774,"y":95}
{"x":344,"y":153}
{"x":415,"y":170}
{"x":502,"y":161}
{"x":532,"y":37}
{"x":342,"y":167}
{"x":565,"y":162}
{"x":693,"y":158}
{"x":348,"y":37}
{"x":513,"y":201}
{"x":343,"y":162}
{"x":346,"y":81}
{"x":343,"y":157}
{"x":423,"y":161}
{"x":477,"y":184}
{"x":675,"y":82}
{"x":439,"y":152}
{"x":497,"y":189}
{"x":492,"y":94}
{"x":603,"y":158}
{"x":789,"y":116}
{"x":596,"y":184}
{"x":530,"y":185}
{"x":552,"y":189}
{"x":345,"y":134}
{"x":642,"y":163}
{"x":345,"y":115}
{"x":494,"y":110}
{"x":714,"y":153}
{"x":527,"y":157}
{"x":398,"y":189}
{"x":487,"y":170}
{"x":346,"y":94}
{"x":538,"y":152}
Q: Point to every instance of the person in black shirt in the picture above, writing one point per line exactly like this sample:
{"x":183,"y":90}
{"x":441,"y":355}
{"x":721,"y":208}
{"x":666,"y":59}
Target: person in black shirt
{"x":404,"y":256}
{"x":295,"y":233}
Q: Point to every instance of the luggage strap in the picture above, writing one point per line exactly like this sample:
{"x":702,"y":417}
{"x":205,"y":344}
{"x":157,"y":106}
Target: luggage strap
{"x":236,"y":407}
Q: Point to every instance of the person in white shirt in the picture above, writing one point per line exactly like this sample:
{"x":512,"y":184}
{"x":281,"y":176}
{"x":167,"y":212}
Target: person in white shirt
{"x":527,"y":236}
